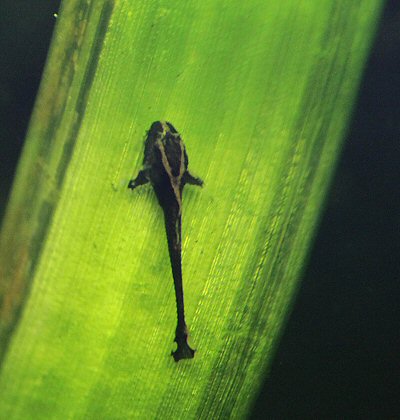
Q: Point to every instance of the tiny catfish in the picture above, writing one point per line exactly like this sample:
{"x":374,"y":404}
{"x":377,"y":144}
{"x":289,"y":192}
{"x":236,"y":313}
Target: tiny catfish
{"x":165,"y":166}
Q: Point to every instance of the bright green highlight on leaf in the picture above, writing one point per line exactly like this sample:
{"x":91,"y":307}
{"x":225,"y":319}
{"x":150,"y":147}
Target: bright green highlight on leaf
{"x":261,"y":92}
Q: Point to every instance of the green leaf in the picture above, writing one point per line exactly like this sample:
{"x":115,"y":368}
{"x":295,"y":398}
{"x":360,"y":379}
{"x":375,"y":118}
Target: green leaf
{"x":261,"y":92}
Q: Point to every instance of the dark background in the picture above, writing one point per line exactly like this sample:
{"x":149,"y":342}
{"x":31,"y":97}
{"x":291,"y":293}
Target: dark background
{"x":339,"y":355}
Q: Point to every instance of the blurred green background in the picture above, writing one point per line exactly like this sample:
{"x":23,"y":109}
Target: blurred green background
{"x":338,"y":353}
